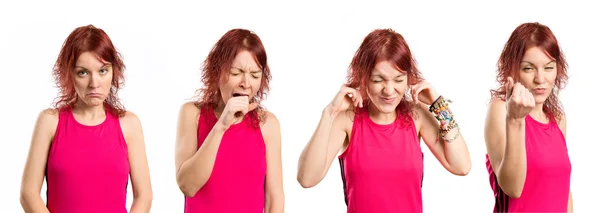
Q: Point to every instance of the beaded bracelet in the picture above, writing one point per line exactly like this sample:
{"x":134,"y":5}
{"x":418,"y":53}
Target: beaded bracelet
{"x":453,"y":138}
{"x":444,"y":115}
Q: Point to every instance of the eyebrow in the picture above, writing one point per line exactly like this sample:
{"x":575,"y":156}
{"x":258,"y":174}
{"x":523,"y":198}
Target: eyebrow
{"x":379,"y":75}
{"x":553,"y":61}
{"x":240,"y":69}
{"x":103,"y":66}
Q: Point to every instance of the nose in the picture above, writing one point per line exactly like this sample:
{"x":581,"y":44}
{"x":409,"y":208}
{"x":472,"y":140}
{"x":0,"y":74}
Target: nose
{"x":94,"y":81}
{"x":245,"y":81}
{"x":388,"y":89}
{"x":539,"y":77}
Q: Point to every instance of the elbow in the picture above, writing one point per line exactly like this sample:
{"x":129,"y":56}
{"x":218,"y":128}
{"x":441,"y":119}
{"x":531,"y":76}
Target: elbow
{"x":306,"y":182}
{"x":24,"y":198}
{"x":463,"y":171}
{"x":514,"y":193}
{"x":188,"y":189}
{"x":513,"y":190}
{"x":145,"y":197}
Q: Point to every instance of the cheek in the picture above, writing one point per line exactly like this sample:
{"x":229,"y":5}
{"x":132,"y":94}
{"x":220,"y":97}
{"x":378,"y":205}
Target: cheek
{"x":80,"y":84}
{"x":373,"y":89}
{"x":551,"y":77}
{"x":255,"y":83}
{"x":227,"y":85}
{"x":402,"y":87}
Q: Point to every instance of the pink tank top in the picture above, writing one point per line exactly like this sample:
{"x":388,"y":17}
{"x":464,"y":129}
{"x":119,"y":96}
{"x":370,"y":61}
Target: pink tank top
{"x":382,"y":169}
{"x":237,"y":182}
{"x":548,"y":178}
{"x":88,"y":167}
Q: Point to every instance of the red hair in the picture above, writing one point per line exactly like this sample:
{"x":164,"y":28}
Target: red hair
{"x":87,"y":39}
{"x":526,"y":36}
{"x":384,"y":45}
{"x":219,"y":61}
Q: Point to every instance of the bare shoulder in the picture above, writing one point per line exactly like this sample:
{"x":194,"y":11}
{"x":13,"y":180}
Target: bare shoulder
{"x":562,"y":124}
{"x":496,"y":110}
{"x":47,"y":121}
{"x":189,"y":110}
{"x":495,"y":120}
{"x":130,"y":125}
{"x":270,"y":128}
{"x":130,"y":120}
{"x":344,"y":120}
{"x":271,"y":122}
{"x":48,"y":117}
{"x":420,"y":113}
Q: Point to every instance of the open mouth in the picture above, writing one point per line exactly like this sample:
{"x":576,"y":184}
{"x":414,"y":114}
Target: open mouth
{"x":239,"y":94}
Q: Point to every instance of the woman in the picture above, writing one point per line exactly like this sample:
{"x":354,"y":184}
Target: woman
{"x":88,"y":144}
{"x":377,"y":122}
{"x":526,"y":125}
{"x":228,"y":148}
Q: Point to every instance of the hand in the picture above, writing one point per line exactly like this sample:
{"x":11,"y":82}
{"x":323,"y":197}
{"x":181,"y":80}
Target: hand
{"x":345,"y":99}
{"x":424,"y":93}
{"x":519,"y":101}
{"x":235,"y":110}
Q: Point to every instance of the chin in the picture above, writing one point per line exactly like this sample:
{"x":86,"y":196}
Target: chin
{"x":94,"y":102}
{"x":540,"y":99}
{"x":386,"y":108}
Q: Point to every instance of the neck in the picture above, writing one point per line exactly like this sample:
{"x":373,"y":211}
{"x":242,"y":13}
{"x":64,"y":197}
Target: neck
{"x":219,"y":109}
{"x":89,"y":112}
{"x":538,"y":113}
{"x":381,"y":117}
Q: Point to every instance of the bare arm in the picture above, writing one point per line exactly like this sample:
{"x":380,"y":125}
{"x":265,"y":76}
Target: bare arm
{"x":138,"y":163}
{"x":453,"y":156}
{"x":563,"y":128}
{"x":34,"y":171}
{"x":274,"y":196}
{"x":570,"y":208}
{"x":194,"y":165}
{"x":326,"y":142}
{"x":505,"y":143}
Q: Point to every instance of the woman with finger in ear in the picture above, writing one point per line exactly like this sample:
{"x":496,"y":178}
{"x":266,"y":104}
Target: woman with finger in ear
{"x":525,"y":127}
{"x":377,"y":125}
{"x":228,"y":147}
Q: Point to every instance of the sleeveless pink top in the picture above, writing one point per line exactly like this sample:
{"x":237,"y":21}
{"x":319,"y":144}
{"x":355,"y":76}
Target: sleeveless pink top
{"x":548,"y":178}
{"x":382,"y":169}
{"x":237,"y":182}
{"x":88,"y":167}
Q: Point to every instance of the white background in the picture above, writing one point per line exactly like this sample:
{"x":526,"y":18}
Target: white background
{"x":309,"y":47}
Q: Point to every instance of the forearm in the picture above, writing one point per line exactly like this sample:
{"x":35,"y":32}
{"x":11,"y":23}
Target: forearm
{"x":33,"y":203}
{"x":570,"y":208}
{"x":457,"y":153}
{"x":512,"y":171}
{"x":314,"y":157}
{"x":194,"y":172}
{"x":141,"y":204}
{"x":274,"y":203}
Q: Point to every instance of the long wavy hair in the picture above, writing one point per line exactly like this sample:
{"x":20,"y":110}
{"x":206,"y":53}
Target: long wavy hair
{"x":219,"y":61}
{"x":384,"y":45}
{"x":87,"y":39}
{"x":526,"y":36}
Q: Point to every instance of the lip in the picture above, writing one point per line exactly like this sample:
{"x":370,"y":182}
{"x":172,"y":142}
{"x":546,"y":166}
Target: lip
{"x":237,"y":94}
{"x":94,"y":95}
{"x":539,"y":91}
{"x":388,"y":100}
